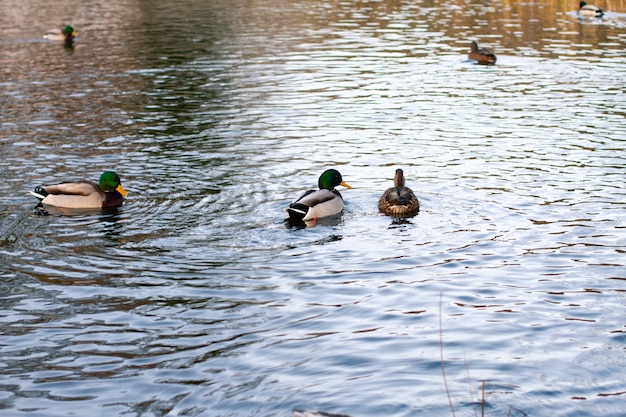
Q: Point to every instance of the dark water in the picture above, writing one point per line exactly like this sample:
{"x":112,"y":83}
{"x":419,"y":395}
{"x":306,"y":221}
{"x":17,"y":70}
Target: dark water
{"x":197,"y":299}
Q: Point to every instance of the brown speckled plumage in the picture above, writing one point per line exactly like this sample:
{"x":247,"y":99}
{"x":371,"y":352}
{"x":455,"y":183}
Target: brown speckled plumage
{"x":399,"y":200}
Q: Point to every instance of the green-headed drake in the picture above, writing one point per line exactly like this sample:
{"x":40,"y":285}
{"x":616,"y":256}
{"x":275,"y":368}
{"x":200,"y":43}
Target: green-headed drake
{"x":483,"y":56}
{"x":588,"y":10}
{"x":315,"y":204}
{"x":399,"y":200}
{"x":66,"y":34}
{"x":107,"y":193}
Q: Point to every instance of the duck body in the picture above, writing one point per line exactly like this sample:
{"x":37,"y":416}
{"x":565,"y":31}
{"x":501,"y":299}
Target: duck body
{"x":67,"y":34}
{"x":483,"y":56}
{"x":589,"y":10}
{"x":399,"y":200}
{"x":107,"y":193}
{"x":324,"y":202}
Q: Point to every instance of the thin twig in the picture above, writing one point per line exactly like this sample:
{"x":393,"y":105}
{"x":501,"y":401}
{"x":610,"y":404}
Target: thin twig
{"x":482,"y":401}
{"x":443,"y":370}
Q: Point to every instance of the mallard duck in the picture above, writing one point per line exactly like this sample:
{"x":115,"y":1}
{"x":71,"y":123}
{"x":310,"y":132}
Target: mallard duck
{"x":84,"y":194}
{"x":399,"y":200}
{"x":483,"y":56}
{"x":588,"y":10}
{"x":315,"y":204}
{"x":66,"y":34}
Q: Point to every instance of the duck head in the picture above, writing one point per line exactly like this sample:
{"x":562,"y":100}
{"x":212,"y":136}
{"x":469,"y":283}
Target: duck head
{"x":110,"y":181}
{"x":330,"y":179}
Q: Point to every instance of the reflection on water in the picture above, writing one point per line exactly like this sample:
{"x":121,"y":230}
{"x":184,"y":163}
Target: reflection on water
{"x":197,"y":297}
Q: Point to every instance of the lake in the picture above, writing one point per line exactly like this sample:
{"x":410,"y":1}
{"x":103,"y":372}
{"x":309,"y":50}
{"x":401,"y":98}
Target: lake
{"x":198,"y":298}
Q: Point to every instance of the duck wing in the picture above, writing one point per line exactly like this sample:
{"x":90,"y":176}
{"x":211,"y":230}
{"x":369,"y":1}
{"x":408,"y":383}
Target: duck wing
{"x":84,"y":188}
{"x":398,"y":196}
{"x":312,"y":198}
{"x":54,"y":35}
{"x":53,"y":32}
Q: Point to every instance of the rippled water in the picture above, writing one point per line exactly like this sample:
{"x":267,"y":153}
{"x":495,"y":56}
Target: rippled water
{"x":198,"y":299}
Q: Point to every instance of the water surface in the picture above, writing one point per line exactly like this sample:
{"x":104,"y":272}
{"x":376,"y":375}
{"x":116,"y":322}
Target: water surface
{"x":198,"y":299}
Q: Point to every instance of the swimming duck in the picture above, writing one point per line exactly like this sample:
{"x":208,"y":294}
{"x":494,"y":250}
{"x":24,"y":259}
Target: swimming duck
{"x":315,"y":204}
{"x":399,"y":200}
{"x":588,"y":10}
{"x":483,"y":56}
{"x":84,"y":194}
{"x":66,"y":34}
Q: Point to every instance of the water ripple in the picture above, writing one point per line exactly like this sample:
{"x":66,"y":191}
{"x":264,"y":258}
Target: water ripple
{"x":197,"y":298}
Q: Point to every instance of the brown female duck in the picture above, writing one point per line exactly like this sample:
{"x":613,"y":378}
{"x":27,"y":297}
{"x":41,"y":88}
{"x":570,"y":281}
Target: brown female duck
{"x":399,"y":200}
{"x":483,"y":56}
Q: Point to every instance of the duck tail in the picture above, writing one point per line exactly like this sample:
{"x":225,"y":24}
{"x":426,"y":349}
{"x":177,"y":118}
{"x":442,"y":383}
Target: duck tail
{"x":297,"y":211}
{"x":39,"y":193}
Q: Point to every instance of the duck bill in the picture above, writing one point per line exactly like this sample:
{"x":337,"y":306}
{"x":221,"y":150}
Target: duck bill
{"x":121,"y":190}
{"x":345,"y":184}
